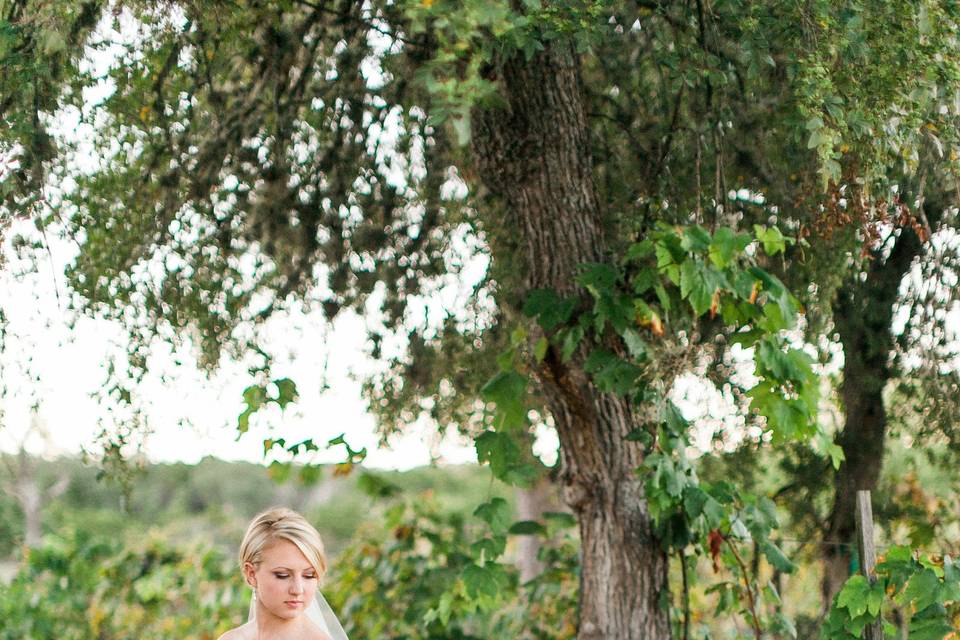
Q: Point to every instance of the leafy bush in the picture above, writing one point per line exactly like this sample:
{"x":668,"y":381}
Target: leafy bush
{"x":415,"y":575}
{"x":78,"y":587}
{"x":412,"y":575}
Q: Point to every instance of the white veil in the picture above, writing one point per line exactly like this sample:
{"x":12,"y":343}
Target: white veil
{"x":319,"y":612}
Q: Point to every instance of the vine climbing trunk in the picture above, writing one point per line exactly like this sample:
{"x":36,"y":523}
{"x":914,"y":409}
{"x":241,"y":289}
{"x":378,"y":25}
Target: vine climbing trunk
{"x":533,"y":154}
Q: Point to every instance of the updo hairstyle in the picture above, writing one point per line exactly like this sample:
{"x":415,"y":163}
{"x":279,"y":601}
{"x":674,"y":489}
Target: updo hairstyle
{"x":280,"y":523}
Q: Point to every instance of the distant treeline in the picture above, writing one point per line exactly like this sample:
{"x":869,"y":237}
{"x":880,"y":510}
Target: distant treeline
{"x":211,"y":502}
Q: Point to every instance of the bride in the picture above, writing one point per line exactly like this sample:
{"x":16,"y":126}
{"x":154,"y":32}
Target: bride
{"x":283,"y":561}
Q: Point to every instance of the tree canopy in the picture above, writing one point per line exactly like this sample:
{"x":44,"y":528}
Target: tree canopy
{"x":642,"y":177}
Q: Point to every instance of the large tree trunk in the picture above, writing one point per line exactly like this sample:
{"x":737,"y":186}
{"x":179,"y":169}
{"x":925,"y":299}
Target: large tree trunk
{"x":534,"y":156}
{"x":863,"y":314}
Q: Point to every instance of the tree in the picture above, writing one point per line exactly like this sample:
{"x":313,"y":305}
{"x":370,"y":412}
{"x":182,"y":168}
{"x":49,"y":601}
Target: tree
{"x":874,"y":356}
{"x":31,"y":491}
{"x":246,"y":166}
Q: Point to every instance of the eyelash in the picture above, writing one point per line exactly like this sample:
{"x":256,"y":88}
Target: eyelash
{"x":284,"y":576}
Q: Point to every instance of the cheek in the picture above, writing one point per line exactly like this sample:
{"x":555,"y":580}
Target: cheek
{"x":274,"y":585}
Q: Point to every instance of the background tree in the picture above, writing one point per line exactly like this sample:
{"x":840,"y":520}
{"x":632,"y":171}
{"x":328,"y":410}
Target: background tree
{"x":32,"y":492}
{"x":875,"y":356}
{"x":246,"y":166}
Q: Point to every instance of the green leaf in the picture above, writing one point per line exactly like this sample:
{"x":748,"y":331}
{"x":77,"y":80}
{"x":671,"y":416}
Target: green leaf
{"x":527,"y":528}
{"x":664,"y":476}
{"x":286,"y":392}
{"x":645,"y":280}
{"x":610,"y":373}
{"x":571,"y":340}
{"x":786,"y":417}
{"x":376,"y":486}
{"x":635,"y":345}
{"x":784,"y":366}
{"x":669,"y":255}
{"x":771,"y":238}
{"x":639,"y":435}
{"x":775,"y":557}
{"x":598,"y":278}
{"x":662,"y":297}
{"x":504,"y":456}
{"x":52,"y":41}
{"x":922,"y":590}
{"x":479,"y":582}
{"x":639,"y":251}
{"x":498,"y":449}
{"x":738,"y":529}
{"x":495,"y":513}
{"x":722,"y":247}
{"x":279,"y":472}
{"x":548,"y":307}
{"x":695,"y":238}
{"x":853,"y":596}
{"x":507,"y":390}
{"x":673,"y":419}
{"x":694,"y":499}
{"x":254,"y":396}
{"x":540,"y":349}
{"x":786,"y":303}
{"x":875,"y":600}
{"x":489,"y":548}
{"x":560,"y":519}
{"x":694,"y":287}
{"x":714,"y":513}
{"x":817,"y":138}
{"x":929,"y":629}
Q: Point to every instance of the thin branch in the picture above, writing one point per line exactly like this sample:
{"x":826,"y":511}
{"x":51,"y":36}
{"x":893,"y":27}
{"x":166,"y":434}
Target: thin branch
{"x":686,"y":597}
{"x":751,"y":602}
{"x":668,"y":143}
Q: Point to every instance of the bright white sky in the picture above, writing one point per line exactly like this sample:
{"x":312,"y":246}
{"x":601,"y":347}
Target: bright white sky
{"x":60,"y":370}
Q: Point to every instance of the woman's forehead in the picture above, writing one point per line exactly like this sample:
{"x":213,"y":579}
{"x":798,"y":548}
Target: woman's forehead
{"x":284,"y":553}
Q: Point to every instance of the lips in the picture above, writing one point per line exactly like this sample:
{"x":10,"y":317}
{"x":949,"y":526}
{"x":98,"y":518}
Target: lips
{"x":293,"y":603}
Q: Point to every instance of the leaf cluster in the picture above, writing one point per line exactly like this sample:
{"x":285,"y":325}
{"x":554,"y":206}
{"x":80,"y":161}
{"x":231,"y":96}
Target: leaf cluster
{"x":925,"y":588}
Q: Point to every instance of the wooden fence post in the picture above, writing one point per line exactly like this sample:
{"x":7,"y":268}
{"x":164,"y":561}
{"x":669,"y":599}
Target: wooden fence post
{"x":867,"y":553}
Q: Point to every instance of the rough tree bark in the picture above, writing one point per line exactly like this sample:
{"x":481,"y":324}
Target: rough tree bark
{"x":534,"y":156}
{"x":863,"y":314}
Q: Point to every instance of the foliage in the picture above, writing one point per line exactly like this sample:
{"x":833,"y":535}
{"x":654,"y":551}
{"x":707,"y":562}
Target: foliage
{"x":40,"y":43}
{"x":77,"y":587}
{"x":925,"y":588}
{"x":411,"y":575}
{"x":672,"y":285}
{"x":387,"y":583}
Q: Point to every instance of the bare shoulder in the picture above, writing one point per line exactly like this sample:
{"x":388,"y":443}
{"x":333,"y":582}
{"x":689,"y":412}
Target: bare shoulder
{"x":244,"y":632}
{"x":315,"y":633}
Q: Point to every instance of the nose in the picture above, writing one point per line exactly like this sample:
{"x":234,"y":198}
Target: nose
{"x":296,"y":586}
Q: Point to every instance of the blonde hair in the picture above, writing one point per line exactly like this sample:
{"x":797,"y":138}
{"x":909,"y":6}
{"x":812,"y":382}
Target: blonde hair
{"x":280,"y":523}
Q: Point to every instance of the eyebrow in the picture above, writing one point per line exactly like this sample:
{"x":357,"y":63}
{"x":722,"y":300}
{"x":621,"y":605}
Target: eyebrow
{"x":289,"y":569}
